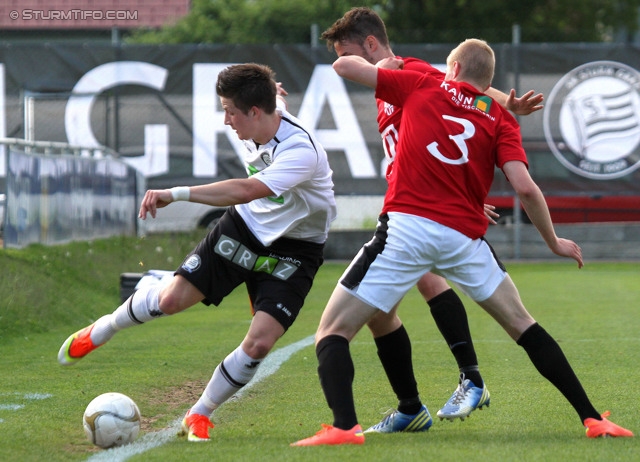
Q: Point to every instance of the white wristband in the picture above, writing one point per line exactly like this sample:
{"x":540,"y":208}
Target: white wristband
{"x":180,"y":193}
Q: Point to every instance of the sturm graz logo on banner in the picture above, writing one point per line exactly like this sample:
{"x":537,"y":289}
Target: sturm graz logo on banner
{"x":592,"y":120}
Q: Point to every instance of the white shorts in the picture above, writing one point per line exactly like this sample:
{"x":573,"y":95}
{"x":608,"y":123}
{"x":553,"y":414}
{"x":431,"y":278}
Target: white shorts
{"x":405,"y":247}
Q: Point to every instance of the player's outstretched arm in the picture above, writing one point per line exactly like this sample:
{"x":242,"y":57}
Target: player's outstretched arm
{"x":526,"y":104}
{"x":523,"y":105}
{"x":153,"y":200}
{"x":220,"y":194}
{"x":535,"y":205}
{"x":356,"y":69}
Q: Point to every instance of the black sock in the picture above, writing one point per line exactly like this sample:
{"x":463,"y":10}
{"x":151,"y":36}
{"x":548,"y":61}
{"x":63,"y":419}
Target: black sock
{"x":394,"y":351}
{"x":451,"y":318}
{"x":548,"y":358}
{"x":336,"y":372}
{"x":472,"y":373}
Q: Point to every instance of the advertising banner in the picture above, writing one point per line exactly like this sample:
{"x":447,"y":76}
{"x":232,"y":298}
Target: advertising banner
{"x":156,"y":106}
{"x":58,"y":199}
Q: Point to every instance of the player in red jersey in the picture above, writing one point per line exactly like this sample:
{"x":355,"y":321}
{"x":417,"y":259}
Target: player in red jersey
{"x":453,"y":137}
{"x":361,"y":32}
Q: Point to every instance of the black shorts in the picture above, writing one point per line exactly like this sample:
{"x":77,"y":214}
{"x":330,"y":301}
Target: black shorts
{"x":278,"y":277}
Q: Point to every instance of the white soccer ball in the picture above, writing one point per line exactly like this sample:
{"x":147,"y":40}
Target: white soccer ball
{"x":111,"y":419}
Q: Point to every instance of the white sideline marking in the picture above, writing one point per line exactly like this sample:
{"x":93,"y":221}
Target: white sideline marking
{"x":274,"y":360}
{"x":154,"y":439}
{"x":11,"y":407}
{"x":15,"y":407}
{"x":28,"y":395}
{"x":36,"y":395}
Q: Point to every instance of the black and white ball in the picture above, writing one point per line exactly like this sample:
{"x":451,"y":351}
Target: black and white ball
{"x":111,"y":419}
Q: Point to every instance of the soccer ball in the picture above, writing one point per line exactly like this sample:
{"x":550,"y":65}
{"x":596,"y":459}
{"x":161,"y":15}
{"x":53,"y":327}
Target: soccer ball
{"x":111,"y":419}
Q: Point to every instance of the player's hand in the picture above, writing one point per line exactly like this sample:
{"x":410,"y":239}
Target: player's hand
{"x":280,"y":94}
{"x":526,"y":104}
{"x":154,"y":199}
{"x":491,"y":214}
{"x":390,"y":63}
{"x":280,"y":91}
{"x":568,"y":248}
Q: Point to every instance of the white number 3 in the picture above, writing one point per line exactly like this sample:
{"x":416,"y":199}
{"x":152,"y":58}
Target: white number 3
{"x":469,"y":131}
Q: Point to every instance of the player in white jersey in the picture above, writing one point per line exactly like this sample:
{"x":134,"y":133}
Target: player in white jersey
{"x":271,"y":239}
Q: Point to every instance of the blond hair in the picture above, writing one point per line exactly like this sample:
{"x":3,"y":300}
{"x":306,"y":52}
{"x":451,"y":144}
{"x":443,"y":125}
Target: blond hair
{"x":476,"y":60}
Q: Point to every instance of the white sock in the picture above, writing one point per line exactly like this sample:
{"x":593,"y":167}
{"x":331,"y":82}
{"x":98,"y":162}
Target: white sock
{"x":102,"y":331}
{"x":233,"y":373}
{"x":141,"y":307}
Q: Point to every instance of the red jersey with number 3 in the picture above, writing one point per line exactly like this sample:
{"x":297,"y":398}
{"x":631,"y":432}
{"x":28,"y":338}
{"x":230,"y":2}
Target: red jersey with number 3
{"x":451,"y":139}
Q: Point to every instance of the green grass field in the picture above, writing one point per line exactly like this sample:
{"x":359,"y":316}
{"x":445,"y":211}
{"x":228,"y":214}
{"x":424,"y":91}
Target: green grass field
{"x":48,"y":293}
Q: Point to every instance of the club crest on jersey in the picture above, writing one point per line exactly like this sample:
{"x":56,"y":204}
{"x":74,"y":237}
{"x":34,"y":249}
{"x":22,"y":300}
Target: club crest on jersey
{"x":266,"y":158}
{"x":592,"y":120}
{"x":388,"y":108}
{"x":192,"y":263}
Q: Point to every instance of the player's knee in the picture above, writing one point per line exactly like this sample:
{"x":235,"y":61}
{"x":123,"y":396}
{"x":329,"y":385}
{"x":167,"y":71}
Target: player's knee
{"x":376,"y":328}
{"x":257,"y":348}
{"x":383,"y":324}
{"x":168,"y":303}
{"x":431,"y":286}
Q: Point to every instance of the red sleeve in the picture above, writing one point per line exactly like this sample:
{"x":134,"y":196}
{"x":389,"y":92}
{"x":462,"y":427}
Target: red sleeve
{"x":509,"y":141}
{"x":418,"y":65}
{"x":395,"y":85}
